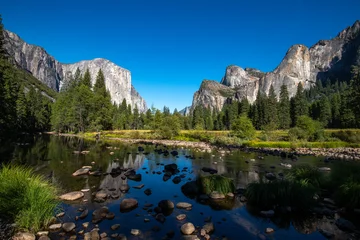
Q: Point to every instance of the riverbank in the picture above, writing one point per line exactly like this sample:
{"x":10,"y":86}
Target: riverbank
{"x":331,"y":150}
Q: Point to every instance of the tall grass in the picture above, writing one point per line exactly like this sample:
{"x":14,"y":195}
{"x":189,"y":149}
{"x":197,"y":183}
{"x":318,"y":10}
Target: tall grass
{"x":26,"y":198}
{"x":348,"y":195}
{"x":309,"y":174}
{"x":284,"y":193}
{"x":217,"y":183}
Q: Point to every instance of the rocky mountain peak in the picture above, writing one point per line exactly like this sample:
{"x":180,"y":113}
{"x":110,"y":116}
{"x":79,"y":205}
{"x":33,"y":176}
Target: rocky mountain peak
{"x":54,"y":74}
{"x":327,"y":59}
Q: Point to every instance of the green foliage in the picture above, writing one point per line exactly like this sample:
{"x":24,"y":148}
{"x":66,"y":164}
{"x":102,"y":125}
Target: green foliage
{"x":26,"y":198}
{"x":243,"y":128}
{"x":351,"y":136}
{"x":306,"y":173}
{"x":170,"y":127}
{"x":348,"y":194}
{"x":306,"y":129}
{"x":217,"y":183}
{"x":296,"y":194}
{"x":284,"y":108}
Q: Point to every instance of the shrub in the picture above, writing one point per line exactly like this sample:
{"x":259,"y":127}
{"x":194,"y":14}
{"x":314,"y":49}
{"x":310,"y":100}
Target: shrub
{"x":170,"y":127}
{"x":351,"y":136}
{"x":217,"y":183}
{"x":26,"y":198}
{"x":306,"y":173}
{"x":306,"y":129}
{"x":284,"y":193}
{"x":243,"y":128}
{"x":348,"y":194}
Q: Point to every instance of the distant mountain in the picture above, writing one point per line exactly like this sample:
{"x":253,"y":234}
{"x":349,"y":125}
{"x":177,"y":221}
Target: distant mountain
{"x":327,"y":59}
{"x":54,"y":74}
{"x":185,"y":111}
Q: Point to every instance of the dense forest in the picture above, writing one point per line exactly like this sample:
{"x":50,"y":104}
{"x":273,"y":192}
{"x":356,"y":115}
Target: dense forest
{"x":27,"y":106}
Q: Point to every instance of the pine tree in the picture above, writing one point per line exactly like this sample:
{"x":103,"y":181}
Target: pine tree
{"x":324,"y":111}
{"x":86,"y":80}
{"x":284,"y":108}
{"x":299,"y":105}
{"x":355,"y":93}
{"x":272,"y":109}
{"x":3,"y":53}
{"x":77,"y":78}
{"x":21,"y":110}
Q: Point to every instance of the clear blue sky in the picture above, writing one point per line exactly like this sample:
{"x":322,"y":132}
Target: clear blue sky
{"x":170,"y":46}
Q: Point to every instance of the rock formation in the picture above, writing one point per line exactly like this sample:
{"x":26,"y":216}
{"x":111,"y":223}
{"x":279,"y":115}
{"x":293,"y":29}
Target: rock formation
{"x":54,"y":74}
{"x":327,"y":59}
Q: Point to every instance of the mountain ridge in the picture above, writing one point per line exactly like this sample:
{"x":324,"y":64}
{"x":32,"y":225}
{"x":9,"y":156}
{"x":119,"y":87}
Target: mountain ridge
{"x":326,"y":59}
{"x":36,"y":60}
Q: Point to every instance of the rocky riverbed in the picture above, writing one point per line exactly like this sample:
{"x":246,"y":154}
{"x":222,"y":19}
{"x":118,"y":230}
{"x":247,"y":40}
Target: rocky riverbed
{"x":149,"y":191}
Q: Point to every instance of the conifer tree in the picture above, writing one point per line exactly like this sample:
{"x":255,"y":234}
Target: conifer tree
{"x":272,"y":109}
{"x":284,"y":108}
{"x":86,"y":80}
{"x":299,"y":105}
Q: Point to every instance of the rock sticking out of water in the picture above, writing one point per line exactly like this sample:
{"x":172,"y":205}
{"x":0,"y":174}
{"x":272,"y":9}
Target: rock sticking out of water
{"x":68,"y":226}
{"x":72,"y":196}
{"x":180,"y":217}
{"x":184,"y":205}
{"x":187,"y":228}
{"x":81,"y":171}
{"x":216,"y":195}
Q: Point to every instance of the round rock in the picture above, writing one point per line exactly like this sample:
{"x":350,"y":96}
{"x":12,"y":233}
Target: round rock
{"x":166,"y":204}
{"x":187,"y":228}
{"x":128,"y":204}
{"x":68,"y":226}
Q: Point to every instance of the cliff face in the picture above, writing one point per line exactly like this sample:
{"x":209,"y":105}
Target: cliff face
{"x":54,"y":74}
{"x":330,"y":59}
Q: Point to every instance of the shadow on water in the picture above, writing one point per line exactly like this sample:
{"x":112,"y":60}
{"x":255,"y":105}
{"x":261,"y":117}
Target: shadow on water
{"x":58,"y":157}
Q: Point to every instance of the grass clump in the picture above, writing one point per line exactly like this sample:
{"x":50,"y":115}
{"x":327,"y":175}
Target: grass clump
{"x":217,"y":183}
{"x":26,"y":198}
{"x":299,"y":194}
{"x":306,"y":173}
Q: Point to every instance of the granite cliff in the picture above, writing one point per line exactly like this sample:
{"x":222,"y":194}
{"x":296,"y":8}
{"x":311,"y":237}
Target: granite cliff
{"x":327,"y":59}
{"x":54,"y":74}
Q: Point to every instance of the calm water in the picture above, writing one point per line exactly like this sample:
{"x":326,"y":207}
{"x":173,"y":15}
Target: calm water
{"x":53,"y":157}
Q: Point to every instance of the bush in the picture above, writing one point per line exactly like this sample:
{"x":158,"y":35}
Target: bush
{"x":217,"y":183}
{"x":26,"y":198}
{"x":348,"y":194}
{"x":351,"y":136}
{"x":283,"y":193}
{"x":243,"y":128}
{"x":169,"y":128}
{"x":306,"y":129}
{"x":306,"y":173}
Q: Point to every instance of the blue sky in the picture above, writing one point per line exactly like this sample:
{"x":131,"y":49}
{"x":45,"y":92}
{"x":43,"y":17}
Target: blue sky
{"x":170,"y":46}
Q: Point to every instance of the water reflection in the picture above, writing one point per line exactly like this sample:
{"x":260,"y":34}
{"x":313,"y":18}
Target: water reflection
{"x":54,"y":157}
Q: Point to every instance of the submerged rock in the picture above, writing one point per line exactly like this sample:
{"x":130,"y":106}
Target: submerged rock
{"x":344,"y":224}
{"x":128,"y":204}
{"x":268,"y":213}
{"x":72,"y":196}
{"x":166,"y":205}
{"x":209,"y":227}
{"x":180,"y":217}
{"x":68,"y":226}
{"x":190,"y":189}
